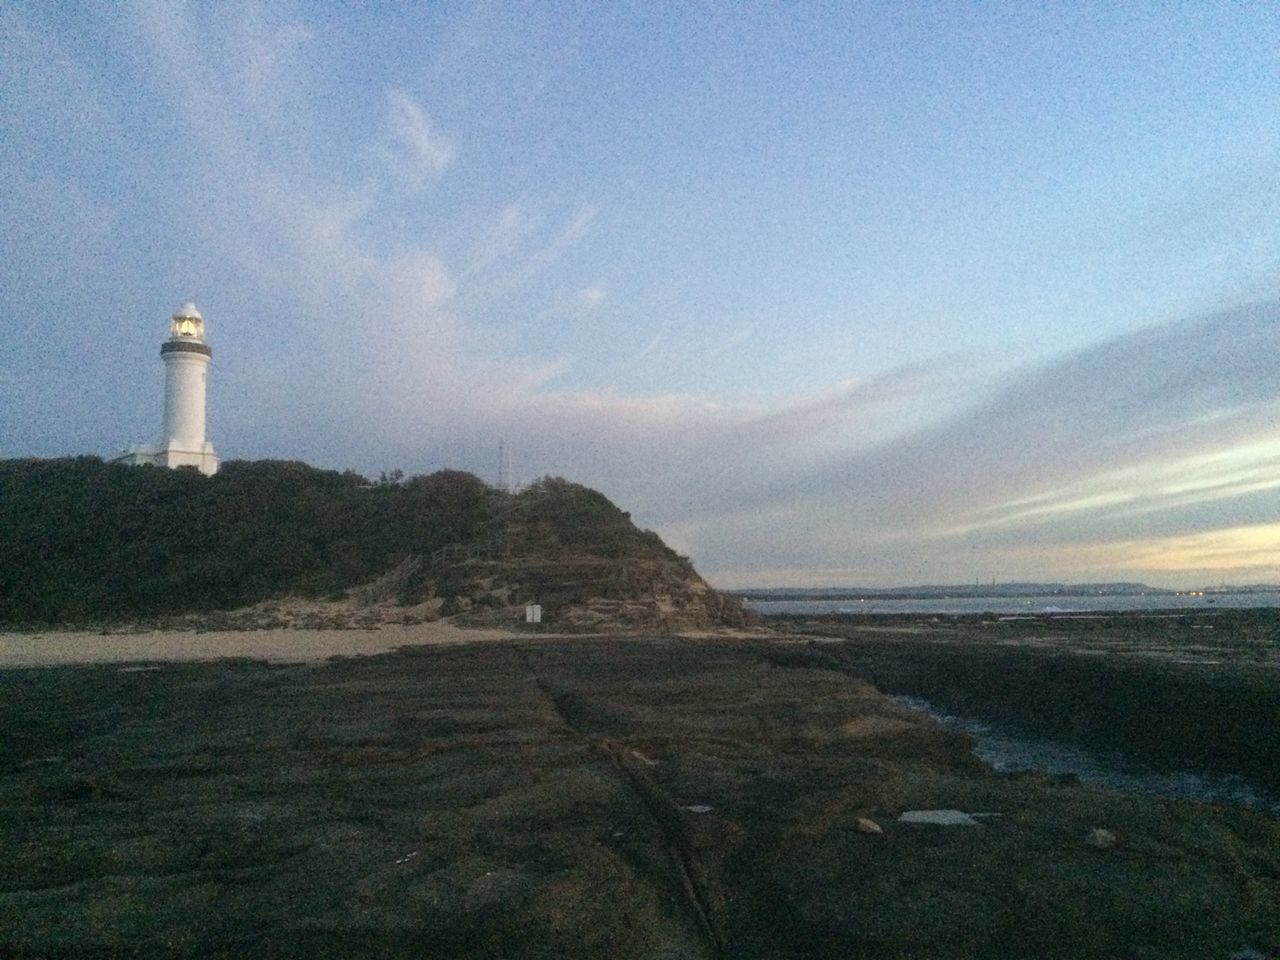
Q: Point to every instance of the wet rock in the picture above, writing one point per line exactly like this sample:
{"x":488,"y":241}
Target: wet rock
{"x":1101,"y":839}
{"x":940,"y":818}
{"x":641,"y":758}
{"x":868,"y":826}
{"x":43,"y":762}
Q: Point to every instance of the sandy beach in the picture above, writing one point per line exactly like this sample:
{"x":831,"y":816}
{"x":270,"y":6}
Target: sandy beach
{"x":65,"y":648}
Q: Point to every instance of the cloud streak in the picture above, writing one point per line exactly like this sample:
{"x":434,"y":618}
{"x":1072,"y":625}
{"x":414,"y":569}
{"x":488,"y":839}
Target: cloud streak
{"x":1168,"y":431}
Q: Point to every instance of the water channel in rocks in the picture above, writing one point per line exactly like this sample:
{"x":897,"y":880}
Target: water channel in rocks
{"x":1006,"y":751}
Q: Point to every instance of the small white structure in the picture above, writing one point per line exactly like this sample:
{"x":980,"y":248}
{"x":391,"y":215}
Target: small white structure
{"x":533,"y":613}
{"x":186,"y":365}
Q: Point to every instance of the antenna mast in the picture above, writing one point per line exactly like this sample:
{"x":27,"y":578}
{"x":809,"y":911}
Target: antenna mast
{"x":504,"y":467}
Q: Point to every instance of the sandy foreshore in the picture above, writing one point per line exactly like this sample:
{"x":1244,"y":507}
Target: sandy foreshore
{"x":55,"y":648}
{"x":65,"y":648}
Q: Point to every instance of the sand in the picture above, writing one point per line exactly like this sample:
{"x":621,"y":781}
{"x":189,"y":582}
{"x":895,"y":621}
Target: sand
{"x":65,"y":648}
{"x":54,"y":648}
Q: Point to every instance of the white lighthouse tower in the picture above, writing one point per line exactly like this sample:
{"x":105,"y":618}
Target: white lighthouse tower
{"x":186,"y":367}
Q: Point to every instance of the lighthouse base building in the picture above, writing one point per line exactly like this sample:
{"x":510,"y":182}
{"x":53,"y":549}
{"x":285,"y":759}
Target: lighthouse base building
{"x":186,"y":366}
{"x":204,"y":460}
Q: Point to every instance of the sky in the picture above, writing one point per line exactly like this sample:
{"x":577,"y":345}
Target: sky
{"x":825,"y":293}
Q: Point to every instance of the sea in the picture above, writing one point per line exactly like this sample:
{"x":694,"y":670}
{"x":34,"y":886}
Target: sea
{"x":1081,"y":604}
{"x":1006,"y":751}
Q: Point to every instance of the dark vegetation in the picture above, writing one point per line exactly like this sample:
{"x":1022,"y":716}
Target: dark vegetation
{"x":85,"y":541}
{"x":1196,"y":691}
{"x":591,"y":799}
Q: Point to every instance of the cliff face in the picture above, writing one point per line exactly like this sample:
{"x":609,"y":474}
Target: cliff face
{"x":579,"y":593}
{"x":570,"y":550}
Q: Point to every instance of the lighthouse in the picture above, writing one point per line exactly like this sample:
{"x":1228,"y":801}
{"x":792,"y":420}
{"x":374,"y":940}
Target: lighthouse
{"x":186,"y":371}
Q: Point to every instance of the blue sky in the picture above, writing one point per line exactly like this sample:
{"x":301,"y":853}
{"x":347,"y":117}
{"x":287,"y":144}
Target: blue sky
{"x":824,"y":293}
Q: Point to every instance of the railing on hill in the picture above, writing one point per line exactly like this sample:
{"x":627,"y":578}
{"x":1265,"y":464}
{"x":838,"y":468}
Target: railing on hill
{"x":492,"y":543}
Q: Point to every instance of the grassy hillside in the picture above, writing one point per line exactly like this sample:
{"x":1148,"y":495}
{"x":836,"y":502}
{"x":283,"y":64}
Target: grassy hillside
{"x":86,"y":541}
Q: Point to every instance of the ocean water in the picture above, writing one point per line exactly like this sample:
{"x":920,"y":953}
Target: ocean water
{"x":1006,"y":752}
{"x":1011,"y":606}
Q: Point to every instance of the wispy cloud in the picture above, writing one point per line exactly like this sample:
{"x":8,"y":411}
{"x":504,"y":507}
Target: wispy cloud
{"x":589,"y":298}
{"x":504,"y":236}
{"x":727,"y":344}
{"x":570,"y":233}
{"x":1235,"y":549}
{"x":520,"y":245}
{"x":423,"y":152}
{"x":423,"y":280}
{"x":1145,"y":487}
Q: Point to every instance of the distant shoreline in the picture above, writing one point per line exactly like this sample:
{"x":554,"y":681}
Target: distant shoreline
{"x":1049,"y":604}
{"x":987,"y":591}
